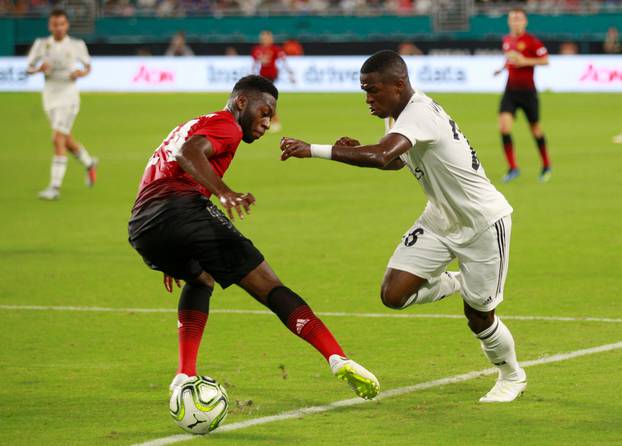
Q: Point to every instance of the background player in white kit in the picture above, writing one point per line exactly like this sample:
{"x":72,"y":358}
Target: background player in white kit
{"x":56,"y":57}
{"x":465,"y":217}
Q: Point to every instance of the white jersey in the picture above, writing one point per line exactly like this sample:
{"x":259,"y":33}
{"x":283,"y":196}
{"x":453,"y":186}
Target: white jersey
{"x":62,"y":56}
{"x":461,"y":200}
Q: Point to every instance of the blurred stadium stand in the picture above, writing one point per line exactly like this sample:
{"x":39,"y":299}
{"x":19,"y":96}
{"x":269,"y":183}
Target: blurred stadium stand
{"x":128,"y":27}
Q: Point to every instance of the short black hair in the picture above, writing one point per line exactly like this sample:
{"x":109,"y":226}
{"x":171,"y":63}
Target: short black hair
{"x":256,"y":83}
{"x":57,"y":12}
{"x":387,"y":63}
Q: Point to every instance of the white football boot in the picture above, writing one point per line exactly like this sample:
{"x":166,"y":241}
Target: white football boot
{"x":50,"y":193}
{"x":362,"y":381}
{"x":506,"y":390}
{"x":177,"y":381}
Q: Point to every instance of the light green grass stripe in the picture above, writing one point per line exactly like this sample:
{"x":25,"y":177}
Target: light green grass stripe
{"x":319,"y":313}
{"x":298,"y":413}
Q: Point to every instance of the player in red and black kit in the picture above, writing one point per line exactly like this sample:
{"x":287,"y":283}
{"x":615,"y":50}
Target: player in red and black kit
{"x":523,"y":52}
{"x":177,"y":230}
{"x":265,"y":56}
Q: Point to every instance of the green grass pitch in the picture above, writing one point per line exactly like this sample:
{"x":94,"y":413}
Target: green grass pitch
{"x":92,"y":378}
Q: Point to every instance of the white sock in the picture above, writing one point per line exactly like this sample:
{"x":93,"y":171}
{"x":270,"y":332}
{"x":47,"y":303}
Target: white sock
{"x":498,"y":345}
{"x":84,"y":157}
{"x":434,"y":289}
{"x":59,"y":166}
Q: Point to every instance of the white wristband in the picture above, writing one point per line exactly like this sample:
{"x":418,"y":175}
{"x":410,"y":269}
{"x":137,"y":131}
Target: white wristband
{"x":321,"y":151}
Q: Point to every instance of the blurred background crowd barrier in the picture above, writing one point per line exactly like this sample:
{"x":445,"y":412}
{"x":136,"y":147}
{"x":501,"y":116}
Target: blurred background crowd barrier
{"x":313,"y":27}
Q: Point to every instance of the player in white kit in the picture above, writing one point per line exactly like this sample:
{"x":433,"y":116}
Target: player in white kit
{"x":465,"y":218}
{"x":57,"y":57}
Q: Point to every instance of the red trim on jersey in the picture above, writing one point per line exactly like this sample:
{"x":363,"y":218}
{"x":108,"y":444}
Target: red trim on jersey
{"x":164,"y":177}
{"x":529,"y":46}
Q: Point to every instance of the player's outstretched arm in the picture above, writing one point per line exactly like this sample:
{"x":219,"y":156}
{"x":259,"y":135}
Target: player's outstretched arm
{"x":383,"y":155}
{"x":193,"y":158}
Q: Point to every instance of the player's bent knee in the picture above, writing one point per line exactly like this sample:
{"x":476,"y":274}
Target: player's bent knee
{"x":478,"y":320}
{"x":536,"y":131}
{"x":398,"y":287}
{"x":203,"y":280}
{"x":392,"y":298}
{"x":260,"y":282}
{"x":505,"y":124}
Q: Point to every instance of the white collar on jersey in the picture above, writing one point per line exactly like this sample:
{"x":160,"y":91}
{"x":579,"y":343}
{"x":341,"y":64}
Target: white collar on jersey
{"x":63,"y":40}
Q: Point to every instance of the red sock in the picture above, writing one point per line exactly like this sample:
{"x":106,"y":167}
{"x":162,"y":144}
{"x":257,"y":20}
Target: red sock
{"x":508,"y":148}
{"x":544,"y":155}
{"x":191,"y":324}
{"x":304,"y":323}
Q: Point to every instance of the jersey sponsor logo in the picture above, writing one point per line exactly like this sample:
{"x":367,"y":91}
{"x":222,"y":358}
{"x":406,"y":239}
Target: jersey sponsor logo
{"x":521,"y":46}
{"x":300,"y":324}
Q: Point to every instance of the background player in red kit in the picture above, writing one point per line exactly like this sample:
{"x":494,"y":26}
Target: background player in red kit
{"x":177,"y":230}
{"x":265,"y":56}
{"x":523,"y":52}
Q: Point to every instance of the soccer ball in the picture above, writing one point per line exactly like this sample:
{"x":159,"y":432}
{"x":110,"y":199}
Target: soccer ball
{"x":199,"y":404}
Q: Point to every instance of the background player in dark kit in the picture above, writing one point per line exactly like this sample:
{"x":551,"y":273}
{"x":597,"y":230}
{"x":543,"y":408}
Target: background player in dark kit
{"x":523,"y":52}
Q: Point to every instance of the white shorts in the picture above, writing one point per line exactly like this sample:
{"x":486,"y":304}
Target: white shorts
{"x":483,"y":262}
{"x":62,"y":118}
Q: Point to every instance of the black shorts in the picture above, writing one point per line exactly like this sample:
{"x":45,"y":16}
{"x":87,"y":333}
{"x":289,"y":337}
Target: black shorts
{"x":187,"y":235}
{"x":525,"y":99}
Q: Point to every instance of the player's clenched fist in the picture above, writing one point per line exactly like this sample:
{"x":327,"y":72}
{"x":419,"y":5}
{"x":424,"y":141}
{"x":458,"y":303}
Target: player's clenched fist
{"x":232,"y":200}
{"x":294,"y":147}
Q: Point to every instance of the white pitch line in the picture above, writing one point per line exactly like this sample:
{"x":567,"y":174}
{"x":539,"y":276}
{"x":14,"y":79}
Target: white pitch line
{"x":298,"y":413}
{"x":319,"y":313}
